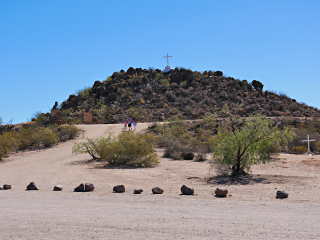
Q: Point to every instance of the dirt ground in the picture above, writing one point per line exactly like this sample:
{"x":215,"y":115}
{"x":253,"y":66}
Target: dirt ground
{"x":250,"y":211}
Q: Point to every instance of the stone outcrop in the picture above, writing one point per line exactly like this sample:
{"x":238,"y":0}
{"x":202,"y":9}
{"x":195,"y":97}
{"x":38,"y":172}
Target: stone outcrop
{"x":257,"y":85}
{"x":221,"y":192}
{"x":186,"y":190}
{"x":157,"y":190}
{"x":119,"y":189}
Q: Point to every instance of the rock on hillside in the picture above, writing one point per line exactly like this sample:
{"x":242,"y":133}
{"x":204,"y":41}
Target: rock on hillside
{"x":152,"y":95}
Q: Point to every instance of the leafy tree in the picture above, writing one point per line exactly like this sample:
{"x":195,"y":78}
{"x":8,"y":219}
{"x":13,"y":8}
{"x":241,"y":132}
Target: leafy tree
{"x":246,"y":141}
{"x":1,"y":121}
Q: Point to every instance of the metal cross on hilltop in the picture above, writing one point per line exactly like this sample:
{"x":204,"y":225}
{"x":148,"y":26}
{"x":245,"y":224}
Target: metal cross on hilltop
{"x":167,"y":59}
{"x":308,"y":140}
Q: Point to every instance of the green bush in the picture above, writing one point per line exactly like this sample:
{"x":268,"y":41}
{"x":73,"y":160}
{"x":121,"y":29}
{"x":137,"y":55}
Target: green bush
{"x":34,"y":137}
{"x":299,"y":149}
{"x":126,"y":149}
{"x":7,"y":143}
{"x":44,"y":136}
{"x":67,"y":132}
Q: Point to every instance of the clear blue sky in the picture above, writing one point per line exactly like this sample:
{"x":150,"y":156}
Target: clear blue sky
{"x":50,"y":49}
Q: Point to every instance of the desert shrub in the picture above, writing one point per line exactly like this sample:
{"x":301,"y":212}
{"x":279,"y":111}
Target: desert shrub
{"x":38,"y":117}
{"x":90,"y":147}
{"x":7,"y":143}
{"x":299,"y":149}
{"x":67,"y":132}
{"x":34,"y":137}
{"x":165,"y":82}
{"x":44,"y":136}
{"x":85,"y":92}
{"x":24,"y":138}
{"x":126,"y":149}
{"x":137,"y":112}
{"x":170,"y":96}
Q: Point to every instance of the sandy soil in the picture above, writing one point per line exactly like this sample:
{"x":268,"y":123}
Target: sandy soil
{"x":249,"y":212}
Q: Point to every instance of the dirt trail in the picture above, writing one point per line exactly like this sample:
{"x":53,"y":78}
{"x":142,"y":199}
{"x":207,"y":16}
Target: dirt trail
{"x":251,"y":212}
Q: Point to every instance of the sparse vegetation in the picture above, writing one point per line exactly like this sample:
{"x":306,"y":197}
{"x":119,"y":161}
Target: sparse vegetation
{"x":33,"y":136}
{"x":179,"y":92}
{"x":126,"y":149}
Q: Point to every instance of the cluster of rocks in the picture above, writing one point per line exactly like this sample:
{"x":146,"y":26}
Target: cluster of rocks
{"x":89,"y":187}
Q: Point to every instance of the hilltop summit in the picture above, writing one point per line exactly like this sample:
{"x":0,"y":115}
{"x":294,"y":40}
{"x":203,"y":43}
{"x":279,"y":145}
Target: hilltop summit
{"x":154,"y":95}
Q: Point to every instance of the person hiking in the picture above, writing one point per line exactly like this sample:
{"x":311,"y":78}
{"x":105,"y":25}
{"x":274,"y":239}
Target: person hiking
{"x":129,"y":123}
{"x":125,"y":125}
{"x":134,"y":124}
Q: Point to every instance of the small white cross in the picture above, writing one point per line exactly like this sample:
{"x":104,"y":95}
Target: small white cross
{"x":308,"y":140}
{"x":167,"y":58}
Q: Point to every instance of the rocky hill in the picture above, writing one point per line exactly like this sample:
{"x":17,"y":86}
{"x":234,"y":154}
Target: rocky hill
{"x":152,"y":95}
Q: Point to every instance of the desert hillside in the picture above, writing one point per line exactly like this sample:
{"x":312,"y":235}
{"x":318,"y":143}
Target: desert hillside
{"x":153,"y":95}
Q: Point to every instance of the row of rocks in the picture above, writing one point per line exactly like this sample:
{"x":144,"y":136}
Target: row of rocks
{"x":89,"y":187}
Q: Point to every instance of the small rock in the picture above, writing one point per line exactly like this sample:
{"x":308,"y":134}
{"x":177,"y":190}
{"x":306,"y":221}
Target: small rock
{"x":119,"y":189}
{"x":80,"y":188}
{"x":57,"y":188}
{"x":221,"y":192}
{"x":88,"y":187}
{"x":137,"y":191}
{"x":282,"y":194}
{"x":157,"y":190}
{"x":186,"y":190}
{"x":32,"y":186}
{"x":6,"y":186}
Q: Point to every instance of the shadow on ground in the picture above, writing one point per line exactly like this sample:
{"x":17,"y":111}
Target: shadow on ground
{"x":255,"y":179}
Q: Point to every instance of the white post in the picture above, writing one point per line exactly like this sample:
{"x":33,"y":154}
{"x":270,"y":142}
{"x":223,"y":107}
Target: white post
{"x":308,"y":140}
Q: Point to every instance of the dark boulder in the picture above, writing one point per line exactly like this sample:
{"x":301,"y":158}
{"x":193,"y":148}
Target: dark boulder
{"x":257,"y":85}
{"x":186,"y":190}
{"x":221,"y":192}
{"x":157,"y":190}
{"x":119,"y":189}
{"x":32,"y":186}
{"x":137,"y":191}
{"x":88,"y":187}
{"x":282,"y":194}
{"x":57,"y":188}
{"x":131,"y":71}
{"x":80,"y":188}
{"x":112,"y":96}
{"x":6,"y":186}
